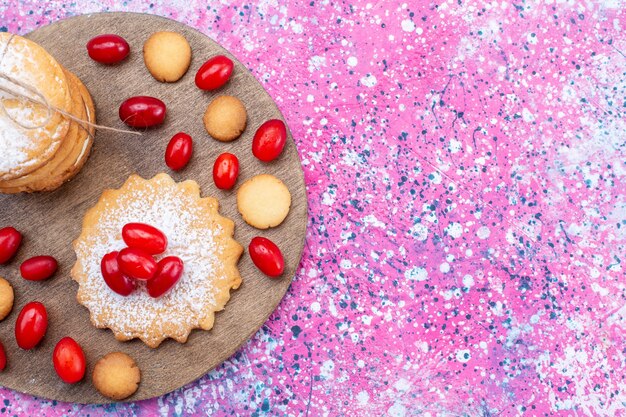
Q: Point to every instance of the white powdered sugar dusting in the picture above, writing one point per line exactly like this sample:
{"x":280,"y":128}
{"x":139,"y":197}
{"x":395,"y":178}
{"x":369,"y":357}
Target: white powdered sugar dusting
{"x":11,"y":145}
{"x":16,"y":143}
{"x":180,"y":217}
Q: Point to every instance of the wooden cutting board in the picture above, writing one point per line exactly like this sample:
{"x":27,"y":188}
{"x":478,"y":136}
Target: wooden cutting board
{"x":51,"y":221}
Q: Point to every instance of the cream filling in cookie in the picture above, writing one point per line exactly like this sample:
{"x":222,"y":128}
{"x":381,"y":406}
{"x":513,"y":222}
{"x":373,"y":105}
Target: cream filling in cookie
{"x":196,"y":233}
{"x":82,"y":152}
{"x":87,"y":141}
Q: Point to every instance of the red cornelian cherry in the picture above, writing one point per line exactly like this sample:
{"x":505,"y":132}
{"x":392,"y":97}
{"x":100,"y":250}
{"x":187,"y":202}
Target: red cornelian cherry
{"x":142,"y":111}
{"x":178,"y":152}
{"x":225,"y":171}
{"x":38,"y":268}
{"x":169,"y":272}
{"x":69,"y":360}
{"x":10,"y":240}
{"x":266,"y":256}
{"x":108,"y":49}
{"x":113,"y":277}
{"x":3,"y":357}
{"x":269,"y":140}
{"x":137,"y":263}
{"x":146,"y":237}
{"x":214,"y":73}
{"x":31,"y":325}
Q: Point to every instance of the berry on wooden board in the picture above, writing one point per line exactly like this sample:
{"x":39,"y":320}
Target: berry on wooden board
{"x":142,"y":111}
{"x":214,"y":73}
{"x":178,"y":152}
{"x":31,"y":325}
{"x":38,"y":268}
{"x":266,"y":256}
{"x":69,"y":360}
{"x":269,"y":140}
{"x":108,"y":49}
{"x":3,"y":357}
{"x":225,"y":171}
{"x":10,"y":240}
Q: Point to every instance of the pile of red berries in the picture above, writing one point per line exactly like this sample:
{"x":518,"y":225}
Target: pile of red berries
{"x":122,"y":269}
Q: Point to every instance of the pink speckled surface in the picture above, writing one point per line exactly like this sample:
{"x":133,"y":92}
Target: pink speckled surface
{"x":465,"y":165}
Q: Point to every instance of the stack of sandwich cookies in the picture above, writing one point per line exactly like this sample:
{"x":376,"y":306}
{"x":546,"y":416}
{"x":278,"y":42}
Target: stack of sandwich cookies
{"x":42,"y":148}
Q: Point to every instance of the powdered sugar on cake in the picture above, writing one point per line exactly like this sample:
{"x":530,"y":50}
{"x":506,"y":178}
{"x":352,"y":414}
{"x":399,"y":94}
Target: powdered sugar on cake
{"x":184,"y":221}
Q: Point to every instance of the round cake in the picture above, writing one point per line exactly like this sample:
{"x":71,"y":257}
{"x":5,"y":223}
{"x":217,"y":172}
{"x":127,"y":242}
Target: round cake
{"x":196,"y":233}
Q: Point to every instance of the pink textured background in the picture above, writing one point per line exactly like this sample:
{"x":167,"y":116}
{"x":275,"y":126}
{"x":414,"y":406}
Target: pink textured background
{"x":466,"y":167}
